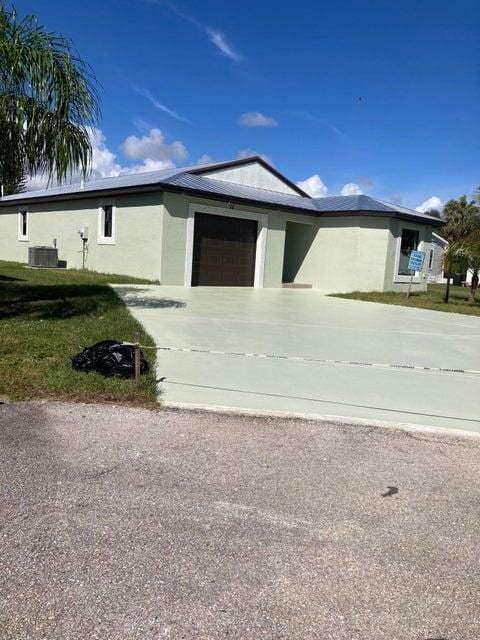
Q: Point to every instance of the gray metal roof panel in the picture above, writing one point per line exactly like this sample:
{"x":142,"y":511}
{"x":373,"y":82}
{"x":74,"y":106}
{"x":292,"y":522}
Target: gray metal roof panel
{"x":139,"y":179}
{"x":199,"y":183}
{"x":364,"y":204}
{"x":100,"y":184}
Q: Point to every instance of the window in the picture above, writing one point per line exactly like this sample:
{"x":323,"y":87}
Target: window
{"x":106,"y":222}
{"x":409,"y":243}
{"x":430,"y":263}
{"x":23,"y":224}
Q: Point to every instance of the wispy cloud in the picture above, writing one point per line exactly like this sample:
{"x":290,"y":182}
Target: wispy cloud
{"x":159,"y":105}
{"x":310,"y":117}
{"x":216,"y":37}
{"x":256,"y":119}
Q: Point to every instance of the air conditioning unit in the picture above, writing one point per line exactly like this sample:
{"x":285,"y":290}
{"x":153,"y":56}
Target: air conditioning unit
{"x":46,"y":257}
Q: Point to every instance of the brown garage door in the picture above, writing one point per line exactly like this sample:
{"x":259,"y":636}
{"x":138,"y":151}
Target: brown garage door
{"x":223,"y":251}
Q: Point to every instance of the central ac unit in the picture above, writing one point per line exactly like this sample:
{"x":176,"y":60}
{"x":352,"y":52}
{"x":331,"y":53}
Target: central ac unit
{"x":46,"y":257}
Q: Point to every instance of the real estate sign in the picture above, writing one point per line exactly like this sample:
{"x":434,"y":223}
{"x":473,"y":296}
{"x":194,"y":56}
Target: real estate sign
{"x":417,"y":258}
{"x":415,"y":263}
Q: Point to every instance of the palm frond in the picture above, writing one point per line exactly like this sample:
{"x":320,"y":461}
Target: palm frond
{"x":48,"y":98}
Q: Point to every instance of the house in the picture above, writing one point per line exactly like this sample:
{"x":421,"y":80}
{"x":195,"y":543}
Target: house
{"x":435,"y":265}
{"x":238,"y":223}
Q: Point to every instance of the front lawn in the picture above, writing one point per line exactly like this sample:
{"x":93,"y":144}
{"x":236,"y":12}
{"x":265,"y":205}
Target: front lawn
{"x":46,"y":316}
{"x":432,"y":299}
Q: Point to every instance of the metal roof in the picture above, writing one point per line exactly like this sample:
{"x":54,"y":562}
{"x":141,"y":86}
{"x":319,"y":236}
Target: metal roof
{"x":192,"y":182}
{"x":344,"y":204}
{"x":190,"y":179}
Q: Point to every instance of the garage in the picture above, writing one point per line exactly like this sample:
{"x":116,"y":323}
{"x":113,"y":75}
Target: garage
{"x":223,"y":251}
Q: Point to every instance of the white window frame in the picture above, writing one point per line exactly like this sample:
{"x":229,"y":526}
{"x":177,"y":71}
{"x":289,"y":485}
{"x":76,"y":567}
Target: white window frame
{"x":417,"y":278}
{"x":261,"y":245}
{"x":101,"y":221}
{"x":21,"y":237}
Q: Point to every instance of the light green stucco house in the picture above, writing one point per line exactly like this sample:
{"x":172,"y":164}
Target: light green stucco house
{"x":238,"y":223}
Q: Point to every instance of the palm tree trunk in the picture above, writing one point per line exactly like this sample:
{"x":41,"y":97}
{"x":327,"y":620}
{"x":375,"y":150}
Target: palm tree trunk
{"x":473,"y":287}
{"x":447,"y":290}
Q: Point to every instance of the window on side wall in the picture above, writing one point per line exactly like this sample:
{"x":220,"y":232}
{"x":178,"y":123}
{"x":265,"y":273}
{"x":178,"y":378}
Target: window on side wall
{"x":106,"y":223}
{"x":23,"y":224}
{"x":408,"y":243}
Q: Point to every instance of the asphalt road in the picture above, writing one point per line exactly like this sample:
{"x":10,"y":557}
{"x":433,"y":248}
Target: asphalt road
{"x":126,"y":524}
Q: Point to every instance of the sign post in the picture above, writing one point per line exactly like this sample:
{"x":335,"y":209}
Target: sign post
{"x":415,"y":263}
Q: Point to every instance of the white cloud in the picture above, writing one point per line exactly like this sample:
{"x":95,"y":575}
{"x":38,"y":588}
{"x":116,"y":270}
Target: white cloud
{"x":159,"y":105}
{"x":433,"y":202}
{"x":104,"y":163}
{"x":256,"y":119}
{"x":314,"y":186}
{"x":219,"y":40}
{"x":153,"y":147}
{"x":351,"y":189}
{"x":205,"y":159}
{"x":246,"y":153}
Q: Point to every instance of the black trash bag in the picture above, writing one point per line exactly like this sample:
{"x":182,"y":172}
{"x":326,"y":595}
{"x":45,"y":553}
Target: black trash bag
{"x":110,"y":358}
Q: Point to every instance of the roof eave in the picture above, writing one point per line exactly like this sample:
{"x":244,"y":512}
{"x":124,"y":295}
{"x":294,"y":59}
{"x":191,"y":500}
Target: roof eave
{"x":81,"y":195}
{"x":434,"y":222}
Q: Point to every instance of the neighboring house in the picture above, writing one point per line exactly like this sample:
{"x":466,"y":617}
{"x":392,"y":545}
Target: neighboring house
{"x":238,"y":223}
{"x":438,"y":247}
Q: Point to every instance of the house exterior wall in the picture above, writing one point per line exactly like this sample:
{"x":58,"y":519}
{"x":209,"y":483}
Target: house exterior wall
{"x":394,"y":282}
{"x":252,"y":175}
{"x":138,"y":233}
{"x":359,"y":253}
{"x":439,"y":245}
{"x":347,"y":254}
{"x":335,"y":254}
{"x":174,"y":251}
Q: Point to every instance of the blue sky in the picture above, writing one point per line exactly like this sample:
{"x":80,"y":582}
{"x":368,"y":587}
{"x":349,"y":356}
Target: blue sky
{"x":383,"y":94}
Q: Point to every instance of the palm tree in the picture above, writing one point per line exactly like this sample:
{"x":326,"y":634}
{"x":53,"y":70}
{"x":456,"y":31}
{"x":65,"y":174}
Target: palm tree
{"x":462,"y":217}
{"x":465,"y":255}
{"x":48,"y":101}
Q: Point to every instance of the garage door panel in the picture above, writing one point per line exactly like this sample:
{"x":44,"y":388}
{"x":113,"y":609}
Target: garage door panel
{"x":224,"y":251}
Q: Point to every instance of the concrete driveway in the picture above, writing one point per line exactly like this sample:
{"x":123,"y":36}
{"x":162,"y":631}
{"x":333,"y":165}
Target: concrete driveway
{"x":306,"y":332}
{"x":124,"y":524}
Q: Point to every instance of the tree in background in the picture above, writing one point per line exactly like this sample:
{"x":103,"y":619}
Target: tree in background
{"x":465,"y":256}
{"x":48,"y":101}
{"x":462,"y":219}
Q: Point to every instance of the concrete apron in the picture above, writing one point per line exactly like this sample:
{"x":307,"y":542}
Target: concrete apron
{"x":327,"y":357}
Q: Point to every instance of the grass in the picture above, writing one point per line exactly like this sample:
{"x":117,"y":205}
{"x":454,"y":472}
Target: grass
{"x":47,"y":316}
{"x":432,"y":299}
